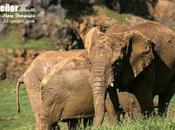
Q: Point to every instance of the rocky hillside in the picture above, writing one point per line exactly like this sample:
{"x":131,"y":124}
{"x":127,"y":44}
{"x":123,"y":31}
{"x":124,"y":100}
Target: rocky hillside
{"x":62,"y":25}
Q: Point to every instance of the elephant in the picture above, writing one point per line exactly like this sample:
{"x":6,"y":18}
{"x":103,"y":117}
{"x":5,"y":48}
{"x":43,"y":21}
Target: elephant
{"x":110,"y":54}
{"x":159,"y":77}
{"x":66,"y":94}
{"x":33,"y":76}
{"x":39,"y":68}
{"x":103,"y":57}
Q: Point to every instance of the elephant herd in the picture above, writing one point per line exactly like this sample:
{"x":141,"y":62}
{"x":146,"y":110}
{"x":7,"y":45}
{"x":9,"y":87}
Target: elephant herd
{"x":120,"y":70}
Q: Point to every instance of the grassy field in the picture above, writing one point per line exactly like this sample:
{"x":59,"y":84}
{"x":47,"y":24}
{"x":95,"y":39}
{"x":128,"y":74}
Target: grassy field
{"x":13,"y":40}
{"x":10,"y":120}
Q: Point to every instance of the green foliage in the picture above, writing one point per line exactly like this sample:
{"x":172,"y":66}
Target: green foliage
{"x":102,"y":10}
{"x":10,"y":120}
{"x":13,"y":40}
{"x":119,"y":17}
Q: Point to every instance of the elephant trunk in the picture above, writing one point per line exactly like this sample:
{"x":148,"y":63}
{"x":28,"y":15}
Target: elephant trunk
{"x":98,"y":89}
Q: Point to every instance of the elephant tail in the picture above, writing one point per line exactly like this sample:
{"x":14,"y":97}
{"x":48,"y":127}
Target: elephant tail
{"x":19,"y":82}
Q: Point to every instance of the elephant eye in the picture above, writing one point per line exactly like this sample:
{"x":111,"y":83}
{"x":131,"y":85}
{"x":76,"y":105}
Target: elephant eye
{"x":116,"y":64}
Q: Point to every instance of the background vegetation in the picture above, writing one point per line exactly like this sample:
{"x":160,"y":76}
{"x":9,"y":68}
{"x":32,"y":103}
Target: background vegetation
{"x":13,"y":40}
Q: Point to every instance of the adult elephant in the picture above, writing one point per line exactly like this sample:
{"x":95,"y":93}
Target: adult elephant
{"x":104,"y":58}
{"x":66,"y":94}
{"x":159,"y":77}
{"x":33,"y":76}
{"x":109,"y":55}
{"x":59,"y":94}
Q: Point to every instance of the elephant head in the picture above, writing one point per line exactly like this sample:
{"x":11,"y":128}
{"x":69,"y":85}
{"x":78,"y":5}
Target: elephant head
{"x":108,"y":54}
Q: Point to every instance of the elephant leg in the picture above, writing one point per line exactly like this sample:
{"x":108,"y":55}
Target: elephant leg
{"x":35,"y":102}
{"x":72,"y":124}
{"x":147,"y":107}
{"x":37,"y":121}
{"x":87,"y":122}
{"x":145,"y":99}
{"x":55,"y":126}
{"x":42,"y":123}
{"x":112,"y":105}
{"x":164,"y":100}
{"x":162,"y":105}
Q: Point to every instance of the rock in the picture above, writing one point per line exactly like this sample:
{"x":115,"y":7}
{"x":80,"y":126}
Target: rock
{"x":165,"y":11}
{"x":75,"y":4}
{"x":143,"y":8}
{"x":33,"y":31}
{"x":16,"y":68}
{"x":104,"y":22}
{"x":13,"y":63}
{"x":66,"y":38}
{"x":3,"y":29}
{"x":113,"y":4}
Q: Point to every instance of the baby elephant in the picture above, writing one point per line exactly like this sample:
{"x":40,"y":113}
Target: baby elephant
{"x":66,"y":94}
{"x":128,"y":104}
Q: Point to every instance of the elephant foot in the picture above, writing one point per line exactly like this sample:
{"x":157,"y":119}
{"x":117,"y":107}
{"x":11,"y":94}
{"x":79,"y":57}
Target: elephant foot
{"x":72,"y":124}
{"x":55,"y":126}
{"x":87,"y":122}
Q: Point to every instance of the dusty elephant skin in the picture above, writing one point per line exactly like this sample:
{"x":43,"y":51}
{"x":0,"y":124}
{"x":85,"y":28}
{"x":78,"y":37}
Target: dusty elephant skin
{"x":70,"y":73}
{"x":33,"y":76}
{"x":128,"y":104}
{"x":159,"y":77}
{"x":110,"y":54}
{"x":67,"y":94}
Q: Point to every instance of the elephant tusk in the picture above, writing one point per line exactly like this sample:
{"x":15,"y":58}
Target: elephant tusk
{"x":112,"y":84}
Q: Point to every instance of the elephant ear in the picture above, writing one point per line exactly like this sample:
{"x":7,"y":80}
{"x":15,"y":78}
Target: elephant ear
{"x":91,"y":38}
{"x":139,"y":52}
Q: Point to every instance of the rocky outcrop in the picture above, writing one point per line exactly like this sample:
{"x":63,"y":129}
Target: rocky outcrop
{"x":143,"y":8}
{"x":165,"y":12}
{"x":66,"y":38}
{"x":13,"y":63}
{"x":3,"y":28}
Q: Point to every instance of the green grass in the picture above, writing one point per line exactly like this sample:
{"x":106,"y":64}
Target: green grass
{"x":121,"y":18}
{"x":102,"y":10}
{"x":10,"y":120}
{"x":13,"y":40}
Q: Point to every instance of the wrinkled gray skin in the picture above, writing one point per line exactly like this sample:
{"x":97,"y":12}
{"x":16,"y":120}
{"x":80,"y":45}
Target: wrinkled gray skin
{"x":67,"y":94}
{"x":154,"y":71}
{"x":110,"y":55}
